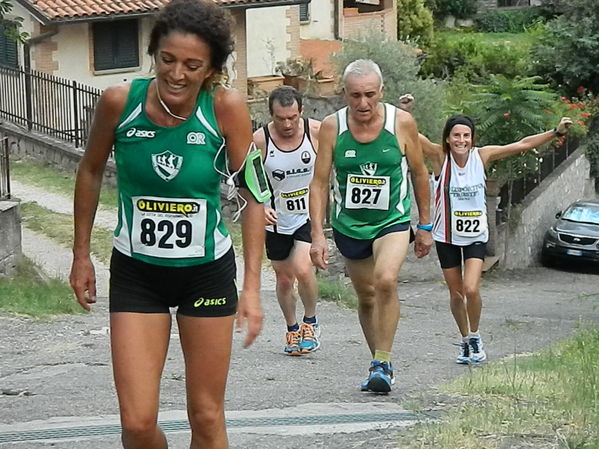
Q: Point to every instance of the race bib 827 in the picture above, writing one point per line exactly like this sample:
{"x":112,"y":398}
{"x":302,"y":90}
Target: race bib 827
{"x":367,"y":192}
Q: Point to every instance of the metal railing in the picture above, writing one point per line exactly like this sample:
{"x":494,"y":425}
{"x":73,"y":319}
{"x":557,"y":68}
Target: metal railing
{"x":49,"y":104}
{"x":551,"y":160}
{"x":4,"y":170}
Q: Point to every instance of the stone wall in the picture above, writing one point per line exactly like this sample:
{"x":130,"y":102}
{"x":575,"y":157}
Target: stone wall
{"x":569,"y":182}
{"x":54,"y":152}
{"x":10,"y":237}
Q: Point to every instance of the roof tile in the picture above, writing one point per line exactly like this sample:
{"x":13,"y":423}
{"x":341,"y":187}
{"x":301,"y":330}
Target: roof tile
{"x":64,"y":10}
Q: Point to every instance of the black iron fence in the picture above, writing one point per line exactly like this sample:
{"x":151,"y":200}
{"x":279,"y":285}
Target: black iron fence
{"x":551,"y":159}
{"x":4,"y":170}
{"x":49,"y":104}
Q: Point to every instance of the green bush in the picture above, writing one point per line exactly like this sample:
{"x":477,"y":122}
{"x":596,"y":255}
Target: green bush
{"x":414,"y":22}
{"x":461,"y":9}
{"x":508,"y":21}
{"x":568,"y":54}
{"x":474,"y":57}
{"x":400,"y":66}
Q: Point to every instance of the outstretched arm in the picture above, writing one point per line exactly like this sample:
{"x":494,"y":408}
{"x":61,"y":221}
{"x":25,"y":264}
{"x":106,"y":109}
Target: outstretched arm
{"x":319,"y":190}
{"x":408,"y":137}
{"x":432,"y":151}
{"x":490,"y":153}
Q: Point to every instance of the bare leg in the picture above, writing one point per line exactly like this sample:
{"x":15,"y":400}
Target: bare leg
{"x":472,"y":275}
{"x":206,"y":344}
{"x":284,"y":272}
{"x":361,"y":275}
{"x":457,"y":303}
{"x":307,"y":285}
{"x":139,"y":345}
{"x":389,"y":253}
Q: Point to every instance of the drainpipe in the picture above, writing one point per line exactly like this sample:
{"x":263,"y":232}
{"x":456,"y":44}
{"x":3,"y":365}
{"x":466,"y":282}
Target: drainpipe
{"x":336,"y":21}
{"x":33,"y":41}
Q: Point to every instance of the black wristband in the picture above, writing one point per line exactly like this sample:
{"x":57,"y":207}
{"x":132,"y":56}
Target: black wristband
{"x":557,"y":133}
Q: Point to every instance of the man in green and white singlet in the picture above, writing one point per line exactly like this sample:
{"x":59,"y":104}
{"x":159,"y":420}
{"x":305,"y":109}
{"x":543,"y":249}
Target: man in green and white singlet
{"x":370,"y":146}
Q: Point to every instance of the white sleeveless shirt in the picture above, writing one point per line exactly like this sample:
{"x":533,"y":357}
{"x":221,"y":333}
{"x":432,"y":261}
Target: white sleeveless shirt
{"x":460,"y":216}
{"x":289,"y":174}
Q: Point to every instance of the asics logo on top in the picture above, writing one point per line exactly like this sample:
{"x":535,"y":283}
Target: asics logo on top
{"x":350,"y":153}
{"x":166,"y":164}
{"x":143,"y":133}
{"x":194,"y":138}
{"x":209,"y":302}
{"x":369,"y":168}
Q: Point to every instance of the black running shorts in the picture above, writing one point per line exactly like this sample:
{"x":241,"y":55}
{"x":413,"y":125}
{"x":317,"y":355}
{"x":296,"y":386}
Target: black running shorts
{"x":279,"y":246}
{"x":206,"y":290}
{"x":450,"y":256}
{"x":357,"y":249}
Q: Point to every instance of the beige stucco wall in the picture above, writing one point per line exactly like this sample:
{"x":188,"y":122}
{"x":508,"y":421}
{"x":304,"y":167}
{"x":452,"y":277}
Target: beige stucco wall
{"x":267,"y":39}
{"x":321,"y":25}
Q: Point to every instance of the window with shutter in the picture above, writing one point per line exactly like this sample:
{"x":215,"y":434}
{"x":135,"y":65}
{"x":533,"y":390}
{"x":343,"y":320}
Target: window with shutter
{"x":304,"y":12}
{"x":8,"y":50}
{"x":116,"y":44}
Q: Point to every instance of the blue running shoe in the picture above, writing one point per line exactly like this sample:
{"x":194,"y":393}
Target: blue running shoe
{"x":292,"y":342}
{"x":464,"y":355}
{"x":310,"y":337}
{"x":478,"y":354}
{"x":380,"y":378}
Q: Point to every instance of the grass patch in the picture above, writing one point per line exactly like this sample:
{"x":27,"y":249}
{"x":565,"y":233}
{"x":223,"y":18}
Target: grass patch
{"x":521,"y":39}
{"x":546,"y":400}
{"x":56,"y":181}
{"x":29,"y":293}
{"x":59,"y":227}
{"x":338,"y":292}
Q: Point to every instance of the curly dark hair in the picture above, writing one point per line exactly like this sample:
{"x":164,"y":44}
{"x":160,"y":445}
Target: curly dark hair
{"x":200,"y":17}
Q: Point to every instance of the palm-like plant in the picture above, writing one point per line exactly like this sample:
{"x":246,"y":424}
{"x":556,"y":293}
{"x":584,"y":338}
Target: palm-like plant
{"x":506,"y":110}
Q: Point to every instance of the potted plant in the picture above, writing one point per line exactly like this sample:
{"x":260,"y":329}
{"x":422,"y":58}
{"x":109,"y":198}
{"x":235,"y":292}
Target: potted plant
{"x":296,"y":71}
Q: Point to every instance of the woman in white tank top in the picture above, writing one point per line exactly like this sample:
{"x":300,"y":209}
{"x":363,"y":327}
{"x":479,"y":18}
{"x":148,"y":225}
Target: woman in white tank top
{"x":460,"y":227}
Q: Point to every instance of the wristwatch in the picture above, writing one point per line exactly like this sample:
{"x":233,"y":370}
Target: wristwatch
{"x":425,"y":227}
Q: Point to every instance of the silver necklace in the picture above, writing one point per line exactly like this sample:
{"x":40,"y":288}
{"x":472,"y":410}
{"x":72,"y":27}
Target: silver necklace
{"x":165,"y":107}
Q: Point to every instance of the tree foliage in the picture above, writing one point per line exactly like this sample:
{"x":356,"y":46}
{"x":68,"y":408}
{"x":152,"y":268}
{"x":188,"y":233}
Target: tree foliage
{"x":414,"y":22}
{"x":400,"y":65}
{"x":568,"y":54}
{"x":505,"y":111}
{"x":10,"y":26}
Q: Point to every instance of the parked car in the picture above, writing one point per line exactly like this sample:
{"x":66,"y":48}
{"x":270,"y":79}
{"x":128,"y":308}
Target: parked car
{"x":574,"y":236}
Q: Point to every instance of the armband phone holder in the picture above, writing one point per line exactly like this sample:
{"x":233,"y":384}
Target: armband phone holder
{"x":255,"y":176}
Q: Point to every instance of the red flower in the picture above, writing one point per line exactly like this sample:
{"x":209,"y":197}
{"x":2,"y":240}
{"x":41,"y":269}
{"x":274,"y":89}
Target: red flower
{"x":585,"y":114}
{"x":581,"y":90}
{"x":573,"y":106}
{"x":506,"y":115}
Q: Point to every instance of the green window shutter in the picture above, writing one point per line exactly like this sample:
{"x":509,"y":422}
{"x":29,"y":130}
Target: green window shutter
{"x":8,"y":50}
{"x":116,"y":44}
{"x":304,"y":12}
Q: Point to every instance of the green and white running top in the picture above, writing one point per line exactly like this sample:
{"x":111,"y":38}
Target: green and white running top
{"x":169,"y":185}
{"x":371,"y":185}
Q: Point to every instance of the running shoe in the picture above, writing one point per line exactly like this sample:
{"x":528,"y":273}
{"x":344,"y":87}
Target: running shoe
{"x":292,"y":342}
{"x":464,"y":355}
{"x":380,"y":378}
{"x":310,"y":337}
{"x":477,"y":352}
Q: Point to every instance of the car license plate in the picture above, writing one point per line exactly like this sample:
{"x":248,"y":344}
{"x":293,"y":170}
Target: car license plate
{"x":574,"y":252}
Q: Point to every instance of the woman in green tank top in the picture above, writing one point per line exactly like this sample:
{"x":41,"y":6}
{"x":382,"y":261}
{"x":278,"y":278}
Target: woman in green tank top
{"x":169,"y":135}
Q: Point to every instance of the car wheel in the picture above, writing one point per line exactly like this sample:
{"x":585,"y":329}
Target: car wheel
{"x":546,"y":260}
